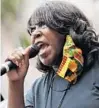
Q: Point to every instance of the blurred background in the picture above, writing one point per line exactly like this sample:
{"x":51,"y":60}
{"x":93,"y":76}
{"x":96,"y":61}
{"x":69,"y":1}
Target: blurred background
{"x":14,"y":17}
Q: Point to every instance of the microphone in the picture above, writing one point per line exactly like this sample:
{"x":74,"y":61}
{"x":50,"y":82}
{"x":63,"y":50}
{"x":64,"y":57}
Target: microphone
{"x":9,"y":65}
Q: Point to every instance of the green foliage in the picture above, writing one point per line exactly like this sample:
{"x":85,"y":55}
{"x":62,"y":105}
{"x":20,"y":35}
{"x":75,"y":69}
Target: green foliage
{"x":24,"y":40}
{"x":9,"y":8}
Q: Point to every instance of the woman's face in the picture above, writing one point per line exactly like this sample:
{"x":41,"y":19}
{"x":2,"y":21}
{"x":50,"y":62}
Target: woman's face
{"x":50,"y":42}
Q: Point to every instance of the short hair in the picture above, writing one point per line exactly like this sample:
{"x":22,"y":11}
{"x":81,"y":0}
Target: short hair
{"x":66,"y":18}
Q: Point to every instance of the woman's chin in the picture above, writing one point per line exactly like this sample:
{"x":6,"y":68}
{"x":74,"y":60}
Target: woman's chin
{"x":46,"y":62}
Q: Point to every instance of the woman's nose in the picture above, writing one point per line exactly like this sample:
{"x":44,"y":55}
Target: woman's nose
{"x":35,"y":36}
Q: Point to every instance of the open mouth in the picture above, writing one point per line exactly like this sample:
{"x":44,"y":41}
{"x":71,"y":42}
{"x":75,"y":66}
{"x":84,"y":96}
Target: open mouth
{"x":41,"y":45}
{"x":44,"y":50}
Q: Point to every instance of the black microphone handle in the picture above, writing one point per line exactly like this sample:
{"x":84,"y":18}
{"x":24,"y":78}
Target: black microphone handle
{"x":9,"y":65}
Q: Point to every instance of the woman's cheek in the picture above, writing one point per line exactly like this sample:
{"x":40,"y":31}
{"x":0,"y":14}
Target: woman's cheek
{"x":49,"y":59}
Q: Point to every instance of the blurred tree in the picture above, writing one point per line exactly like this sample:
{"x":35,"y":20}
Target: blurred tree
{"x":10,"y":12}
{"x":9,"y":8}
{"x":24,"y":40}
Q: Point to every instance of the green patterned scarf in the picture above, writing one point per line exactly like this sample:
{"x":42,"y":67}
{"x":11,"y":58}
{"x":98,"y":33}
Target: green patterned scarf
{"x":72,"y":61}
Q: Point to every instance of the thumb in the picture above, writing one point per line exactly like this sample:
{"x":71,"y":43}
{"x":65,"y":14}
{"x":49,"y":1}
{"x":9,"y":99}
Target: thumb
{"x":26,"y":53}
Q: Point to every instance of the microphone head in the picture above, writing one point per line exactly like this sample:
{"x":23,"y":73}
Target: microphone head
{"x":34,"y":51}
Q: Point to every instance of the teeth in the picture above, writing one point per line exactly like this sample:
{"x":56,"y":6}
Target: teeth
{"x":39,"y":44}
{"x":43,"y":48}
{"x":42,"y":45}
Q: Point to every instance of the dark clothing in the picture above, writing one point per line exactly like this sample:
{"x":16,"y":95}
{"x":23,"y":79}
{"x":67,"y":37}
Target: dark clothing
{"x":47,"y":92}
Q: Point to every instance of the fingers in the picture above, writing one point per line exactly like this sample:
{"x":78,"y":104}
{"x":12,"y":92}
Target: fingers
{"x":17,"y":57}
{"x":20,"y":57}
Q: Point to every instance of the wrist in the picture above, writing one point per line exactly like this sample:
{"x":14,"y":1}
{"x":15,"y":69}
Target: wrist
{"x":16,"y":83}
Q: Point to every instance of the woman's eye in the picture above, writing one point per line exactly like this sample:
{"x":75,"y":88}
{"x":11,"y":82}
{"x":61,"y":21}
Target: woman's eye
{"x":32,"y":29}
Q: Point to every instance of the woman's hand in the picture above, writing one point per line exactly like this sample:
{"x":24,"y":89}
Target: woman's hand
{"x":21,"y":58}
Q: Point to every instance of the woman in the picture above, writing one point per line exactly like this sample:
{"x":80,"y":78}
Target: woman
{"x":68,"y":56}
